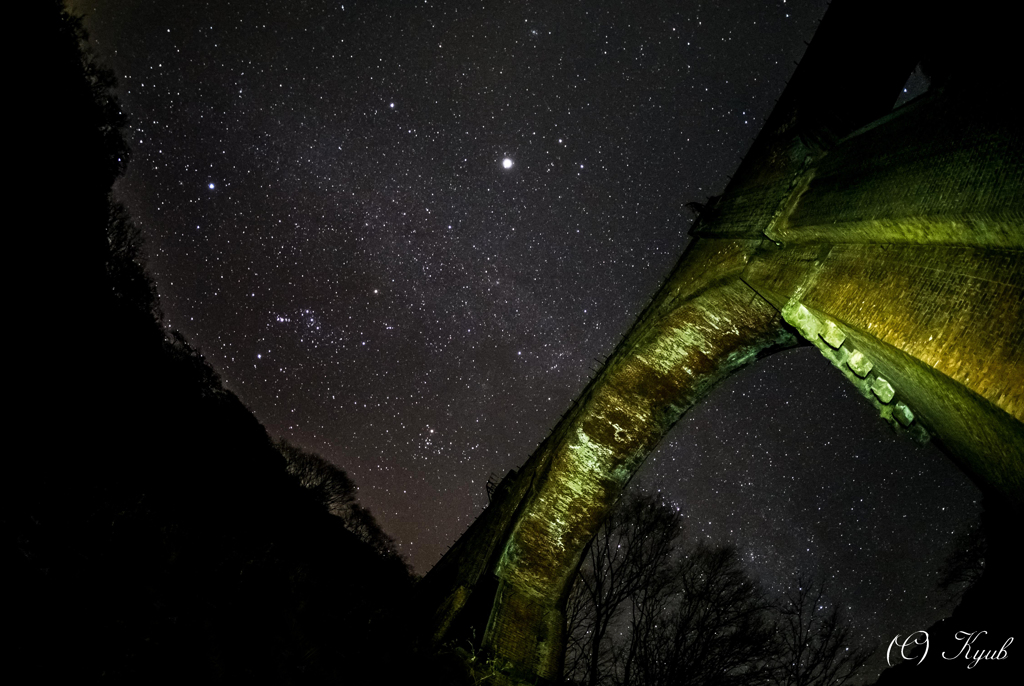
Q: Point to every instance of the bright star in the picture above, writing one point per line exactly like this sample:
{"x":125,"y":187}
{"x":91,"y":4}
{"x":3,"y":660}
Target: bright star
{"x":211,"y":186}
{"x":507,"y":163}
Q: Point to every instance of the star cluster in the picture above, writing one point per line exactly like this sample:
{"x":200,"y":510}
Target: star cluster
{"x":402,"y":233}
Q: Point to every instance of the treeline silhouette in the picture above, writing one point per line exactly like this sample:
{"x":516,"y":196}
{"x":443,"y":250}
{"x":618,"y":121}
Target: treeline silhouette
{"x":154,"y":532}
{"x":332,"y":488}
{"x":653,"y":608}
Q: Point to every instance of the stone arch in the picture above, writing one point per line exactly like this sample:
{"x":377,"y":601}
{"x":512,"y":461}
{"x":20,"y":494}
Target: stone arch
{"x":892,"y":241}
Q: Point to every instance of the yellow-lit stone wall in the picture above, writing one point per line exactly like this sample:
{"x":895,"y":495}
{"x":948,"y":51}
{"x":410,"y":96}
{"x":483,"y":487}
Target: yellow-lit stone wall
{"x":936,"y":171}
{"x":909,"y":239}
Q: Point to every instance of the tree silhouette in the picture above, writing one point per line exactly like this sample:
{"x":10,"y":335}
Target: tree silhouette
{"x":649,"y":608}
{"x":629,"y":558}
{"x":331,"y":487}
{"x":814,"y":639}
{"x":714,"y":629}
{"x":130,"y":283}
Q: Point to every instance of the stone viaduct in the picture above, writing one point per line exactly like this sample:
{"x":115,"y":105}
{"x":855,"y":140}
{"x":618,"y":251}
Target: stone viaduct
{"x":892,"y":240}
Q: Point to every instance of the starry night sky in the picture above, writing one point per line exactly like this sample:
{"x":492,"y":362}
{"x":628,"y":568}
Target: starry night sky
{"x":329,"y":218}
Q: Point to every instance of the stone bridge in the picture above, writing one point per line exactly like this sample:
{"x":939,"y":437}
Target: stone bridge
{"x":892,"y":240}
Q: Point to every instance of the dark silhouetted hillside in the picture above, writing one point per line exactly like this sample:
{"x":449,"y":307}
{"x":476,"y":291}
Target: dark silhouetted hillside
{"x":152,"y":529}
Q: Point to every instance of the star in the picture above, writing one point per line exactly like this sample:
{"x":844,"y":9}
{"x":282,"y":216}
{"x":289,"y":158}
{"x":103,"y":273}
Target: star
{"x":507,"y":163}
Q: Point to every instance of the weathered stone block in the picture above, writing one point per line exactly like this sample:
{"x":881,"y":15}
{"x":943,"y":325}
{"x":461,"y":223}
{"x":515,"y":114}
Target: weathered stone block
{"x":801,"y":319}
{"x":832,"y":334}
{"x":859,"y":363}
{"x":883,"y":390}
{"x":903,"y":414}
